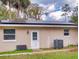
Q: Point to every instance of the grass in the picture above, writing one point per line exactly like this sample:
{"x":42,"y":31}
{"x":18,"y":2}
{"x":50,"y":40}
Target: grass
{"x":16,"y":51}
{"x":71,"y":46}
{"x":54,"y":55}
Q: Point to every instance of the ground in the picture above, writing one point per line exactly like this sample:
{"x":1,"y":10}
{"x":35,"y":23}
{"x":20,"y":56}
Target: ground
{"x":51,"y":55}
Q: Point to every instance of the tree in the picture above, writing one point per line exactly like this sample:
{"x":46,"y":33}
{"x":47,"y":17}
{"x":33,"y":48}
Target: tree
{"x":9,"y":3}
{"x":75,"y":11}
{"x":4,"y":14}
{"x":20,"y":5}
{"x":74,"y":19}
{"x":75,"y":15}
{"x":66,"y":8}
{"x":17,"y":3}
{"x":34,"y":11}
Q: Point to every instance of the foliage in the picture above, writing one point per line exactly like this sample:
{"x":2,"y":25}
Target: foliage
{"x":66,"y":8}
{"x":24,"y":3}
{"x":75,"y":15}
{"x":4,"y":14}
{"x":17,"y":3}
{"x":20,"y":5}
{"x":75,"y":11}
{"x":34,"y":11}
{"x":71,"y":46}
{"x":75,"y":19}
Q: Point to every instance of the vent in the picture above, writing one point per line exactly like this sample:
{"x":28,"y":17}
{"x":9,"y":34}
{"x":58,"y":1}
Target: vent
{"x":21,"y":47}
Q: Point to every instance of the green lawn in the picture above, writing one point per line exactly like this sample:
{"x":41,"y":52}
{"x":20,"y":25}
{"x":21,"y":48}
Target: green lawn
{"x":54,"y":55}
{"x":16,"y":51}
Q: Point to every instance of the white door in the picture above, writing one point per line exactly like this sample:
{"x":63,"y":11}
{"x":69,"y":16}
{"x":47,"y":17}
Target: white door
{"x":35,"y":40}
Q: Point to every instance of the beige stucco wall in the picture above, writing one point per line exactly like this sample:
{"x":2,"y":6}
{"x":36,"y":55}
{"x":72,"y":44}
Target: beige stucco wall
{"x":46,"y":36}
{"x":21,"y":36}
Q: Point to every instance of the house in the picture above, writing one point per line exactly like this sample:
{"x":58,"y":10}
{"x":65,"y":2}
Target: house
{"x":37,"y":34}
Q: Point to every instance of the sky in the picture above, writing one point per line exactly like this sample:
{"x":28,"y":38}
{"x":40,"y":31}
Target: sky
{"x":55,"y":6}
{"x":57,"y":3}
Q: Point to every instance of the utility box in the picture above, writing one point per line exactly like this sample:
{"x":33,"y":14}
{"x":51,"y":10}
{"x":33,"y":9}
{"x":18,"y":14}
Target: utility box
{"x":21,"y":47}
{"x":58,"y":44}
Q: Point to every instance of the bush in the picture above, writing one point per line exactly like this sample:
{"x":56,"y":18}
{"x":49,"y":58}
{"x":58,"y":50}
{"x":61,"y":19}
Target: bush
{"x":72,"y":46}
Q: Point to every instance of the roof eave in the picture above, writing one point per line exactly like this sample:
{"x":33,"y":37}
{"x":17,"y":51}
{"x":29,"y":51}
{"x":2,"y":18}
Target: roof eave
{"x":16,"y":25}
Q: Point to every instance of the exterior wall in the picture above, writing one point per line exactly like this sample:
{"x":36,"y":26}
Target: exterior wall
{"x":46,"y":36}
{"x":21,"y":39}
{"x":59,"y":34}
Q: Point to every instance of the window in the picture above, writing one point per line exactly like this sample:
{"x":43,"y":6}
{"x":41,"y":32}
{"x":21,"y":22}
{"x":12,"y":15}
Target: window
{"x":9,"y":34}
{"x":34,"y":35}
{"x":66,"y":32}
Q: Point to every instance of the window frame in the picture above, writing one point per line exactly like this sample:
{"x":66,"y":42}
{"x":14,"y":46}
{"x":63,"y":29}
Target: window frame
{"x":9,"y":34}
{"x":33,"y":36}
{"x":66,"y":32}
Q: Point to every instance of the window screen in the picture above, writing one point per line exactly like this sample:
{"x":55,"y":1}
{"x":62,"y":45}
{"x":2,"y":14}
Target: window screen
{"x":9,"y":34}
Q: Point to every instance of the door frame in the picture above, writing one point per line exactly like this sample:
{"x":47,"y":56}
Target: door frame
{"x":38,"y":39}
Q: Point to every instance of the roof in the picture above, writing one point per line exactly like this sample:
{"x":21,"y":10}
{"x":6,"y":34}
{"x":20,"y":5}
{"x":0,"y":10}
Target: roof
{"x":37,"y":23}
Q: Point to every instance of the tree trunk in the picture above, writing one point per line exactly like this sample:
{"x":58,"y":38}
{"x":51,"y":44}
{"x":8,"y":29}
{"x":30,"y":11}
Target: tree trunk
{"x":8,"y":3}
